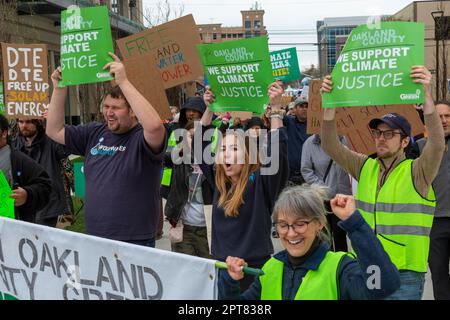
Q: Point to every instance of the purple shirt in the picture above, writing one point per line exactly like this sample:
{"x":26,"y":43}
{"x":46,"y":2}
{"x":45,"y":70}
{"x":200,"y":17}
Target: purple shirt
{"x":123,"y":178}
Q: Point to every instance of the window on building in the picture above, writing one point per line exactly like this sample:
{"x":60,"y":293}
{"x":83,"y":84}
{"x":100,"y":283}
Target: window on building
{"x":248,"y":24}
{"x":115,"y":6}
{"x":240,"y":35}
{"x":214,"y":36}
{"x":201,"y":36}
{"x":224,"y":35}
{"x":257,"y":24}
{"x":248,"y":34}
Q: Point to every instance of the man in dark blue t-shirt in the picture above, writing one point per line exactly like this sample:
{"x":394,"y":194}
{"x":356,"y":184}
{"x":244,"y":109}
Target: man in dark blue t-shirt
{"x":296,"y":131}
{"x":122,"y":160}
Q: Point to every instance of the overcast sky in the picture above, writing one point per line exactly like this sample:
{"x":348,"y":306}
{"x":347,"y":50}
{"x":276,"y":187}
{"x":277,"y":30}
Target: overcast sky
{"x":287,"y":21}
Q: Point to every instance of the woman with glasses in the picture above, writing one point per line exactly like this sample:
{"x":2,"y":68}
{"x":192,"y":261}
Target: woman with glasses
{"x":307,"y":269}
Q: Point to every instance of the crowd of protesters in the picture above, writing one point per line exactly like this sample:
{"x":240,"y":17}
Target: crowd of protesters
{"x":398,"y":218}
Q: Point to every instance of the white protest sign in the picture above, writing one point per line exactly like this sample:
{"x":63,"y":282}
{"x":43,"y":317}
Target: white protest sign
{"x":41,"y":263}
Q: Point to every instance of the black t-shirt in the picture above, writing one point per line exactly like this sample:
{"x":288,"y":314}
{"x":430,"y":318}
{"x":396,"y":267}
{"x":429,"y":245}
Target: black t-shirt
{"x":123,"y":178}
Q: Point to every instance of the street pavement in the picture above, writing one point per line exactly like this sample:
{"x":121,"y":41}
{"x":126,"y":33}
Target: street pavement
{"x":164,"y":243}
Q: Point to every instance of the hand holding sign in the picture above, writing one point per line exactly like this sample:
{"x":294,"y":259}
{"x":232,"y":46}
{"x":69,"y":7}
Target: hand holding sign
{"x":235,"y":267}
{"x":423,"y":76}
{"x":20,"y":196}
{"x":208,"y":97}
{"x":327,"y":86}
{"x":116,"y":69}
{"x":56,"y":77}
{"x":275,"y":92}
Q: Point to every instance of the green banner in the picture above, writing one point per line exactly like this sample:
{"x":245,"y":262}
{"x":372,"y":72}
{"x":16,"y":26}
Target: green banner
{"x":239,"y":73}
{"x":374,"y":66}
{"x":285,"y":65}
{"x":6,"y":203}
{"x":2,"y":105}
{"x":85,"y":43}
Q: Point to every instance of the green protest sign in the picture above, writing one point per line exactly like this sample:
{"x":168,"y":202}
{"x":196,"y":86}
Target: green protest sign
{"x":85,"y":43}
{"x":239,"y":73}
{"x":374,"y":66}
{"x":285,"y":65}
{"x":2,"y":105}
{"x":6,"y":203}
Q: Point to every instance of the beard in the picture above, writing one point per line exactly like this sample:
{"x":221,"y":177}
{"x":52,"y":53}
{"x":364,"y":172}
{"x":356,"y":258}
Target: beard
{"x":387,"y":154}
{"x":28,"y":133}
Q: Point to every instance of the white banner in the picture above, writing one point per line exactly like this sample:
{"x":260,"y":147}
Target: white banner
{"x":41,"y":263}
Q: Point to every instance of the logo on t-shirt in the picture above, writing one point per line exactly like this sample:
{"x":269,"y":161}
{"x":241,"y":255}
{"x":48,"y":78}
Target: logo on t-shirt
{"x":100,"y":149}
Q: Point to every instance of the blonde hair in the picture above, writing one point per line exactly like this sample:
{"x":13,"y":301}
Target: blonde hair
{"x":232,"y":194}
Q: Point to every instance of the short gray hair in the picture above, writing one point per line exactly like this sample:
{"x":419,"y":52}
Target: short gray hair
{"x":305,"y":201}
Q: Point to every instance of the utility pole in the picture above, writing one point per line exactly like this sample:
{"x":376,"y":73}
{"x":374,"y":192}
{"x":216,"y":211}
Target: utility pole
{"x":437,"y":16}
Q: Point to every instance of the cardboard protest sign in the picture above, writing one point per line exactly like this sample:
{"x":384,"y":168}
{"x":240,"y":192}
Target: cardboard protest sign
{"x":374,"y":66}
{"x":353,"y":122}
{"x":239,"y":114}
{"x":85,"y":42}
{"x":239,"y":73}
{"x":286,"y":99}
{"x":172,"y":48}
{"x":25,"y":75}
{"x":2,"y":106}
{"x":285,"y":65}
{"x":141,"y":80}
{"x":315,"y":116}
{"x":6,"y":203}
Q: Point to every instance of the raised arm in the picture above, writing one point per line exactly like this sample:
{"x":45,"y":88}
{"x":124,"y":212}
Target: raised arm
{"x":349,"y":160}
{"x":154,"y":132}
{"x":275,"y":93}
{"x":426,"y":167}
{"x":55,"y":115}
{"x":208,"y":98}
{"x":356,"y":276}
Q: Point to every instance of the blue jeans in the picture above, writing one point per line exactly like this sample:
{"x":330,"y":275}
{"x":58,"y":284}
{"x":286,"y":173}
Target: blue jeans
{"x":146,"y":243}
{"x":411,"y":286}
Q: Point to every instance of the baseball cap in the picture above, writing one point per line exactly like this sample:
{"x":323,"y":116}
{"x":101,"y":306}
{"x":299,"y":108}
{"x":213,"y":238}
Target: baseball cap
{"x":301,"y":100}
{"x":394,"y":121}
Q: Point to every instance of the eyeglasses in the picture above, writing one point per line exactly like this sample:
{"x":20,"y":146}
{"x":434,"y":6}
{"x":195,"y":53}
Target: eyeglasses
{"x":387,"y":134}
{"x":298,"y":226}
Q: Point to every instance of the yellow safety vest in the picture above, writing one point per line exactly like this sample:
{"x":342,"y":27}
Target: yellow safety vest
{"x":320,"y":284}
{"x":399,"y":215}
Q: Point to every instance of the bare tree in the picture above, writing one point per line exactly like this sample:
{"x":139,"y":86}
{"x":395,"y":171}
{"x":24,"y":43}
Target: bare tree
{"x":312,"y":71}
{"x":8,"y":18}
{"x":162,"y":12}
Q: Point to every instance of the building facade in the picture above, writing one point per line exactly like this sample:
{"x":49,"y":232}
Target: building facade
{"x":435,"y":15}
{"x":332,"y":33}
{"x":252,"y":26}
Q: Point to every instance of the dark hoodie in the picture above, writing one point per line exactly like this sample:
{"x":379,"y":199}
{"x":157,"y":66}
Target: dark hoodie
{"x":194,"y":103}
{"x":49,"y":155}
{"x":255,"y":121}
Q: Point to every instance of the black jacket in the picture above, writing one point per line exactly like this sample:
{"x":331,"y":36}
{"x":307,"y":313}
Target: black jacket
{"x":179,"y":192}
{"x":194,"y":103}
{"x":49,"y":155}
{"x":29,"y":175}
